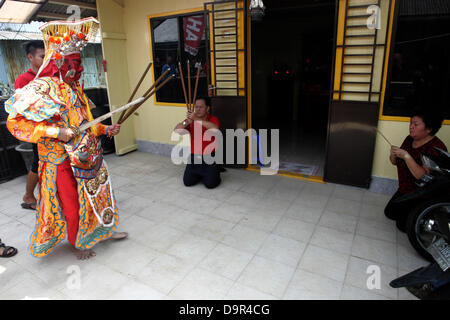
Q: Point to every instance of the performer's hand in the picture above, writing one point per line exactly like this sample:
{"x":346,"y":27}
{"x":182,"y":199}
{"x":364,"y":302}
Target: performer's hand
{"x":114,"y":130}
{"x":65,"y":134}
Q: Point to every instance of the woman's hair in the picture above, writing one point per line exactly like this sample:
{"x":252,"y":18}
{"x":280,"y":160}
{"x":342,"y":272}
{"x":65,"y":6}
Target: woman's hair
{"x":432,"y":120}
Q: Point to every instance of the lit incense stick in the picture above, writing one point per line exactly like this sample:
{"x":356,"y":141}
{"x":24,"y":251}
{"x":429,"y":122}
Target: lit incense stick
{"x":196,"y":85}
{"x":184,"y":87}
{"x":189,"y":85}
{"x":383,"y":136}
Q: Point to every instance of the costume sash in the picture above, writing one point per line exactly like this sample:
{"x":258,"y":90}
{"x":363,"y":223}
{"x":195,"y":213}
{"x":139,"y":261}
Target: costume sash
{"x":85,"y":154}
{"x":100,"y":195}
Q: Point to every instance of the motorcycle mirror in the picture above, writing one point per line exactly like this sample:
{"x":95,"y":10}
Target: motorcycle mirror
{"x":430,"y":164}
{"x":443,"y":152}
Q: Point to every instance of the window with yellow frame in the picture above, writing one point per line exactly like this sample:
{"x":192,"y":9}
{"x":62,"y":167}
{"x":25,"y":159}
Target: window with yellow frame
{"x":419,"y":75}
{"x":179,"y":38}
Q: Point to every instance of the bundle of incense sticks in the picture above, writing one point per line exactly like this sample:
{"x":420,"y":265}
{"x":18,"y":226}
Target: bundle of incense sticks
{"x":187,"y":97}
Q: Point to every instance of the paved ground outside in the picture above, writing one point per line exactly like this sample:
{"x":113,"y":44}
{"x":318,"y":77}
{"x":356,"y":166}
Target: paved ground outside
{"x":254,"y":237}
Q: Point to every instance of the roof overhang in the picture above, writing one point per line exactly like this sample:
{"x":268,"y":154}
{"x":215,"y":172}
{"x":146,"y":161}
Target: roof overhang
{"x":19,"y":11}
{"x":25,"y":11}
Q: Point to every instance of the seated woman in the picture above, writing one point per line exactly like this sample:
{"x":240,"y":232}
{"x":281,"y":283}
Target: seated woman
{"x":421,"y":141}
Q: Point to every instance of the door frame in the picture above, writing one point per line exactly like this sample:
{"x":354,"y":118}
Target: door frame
{"x":249,"y":102}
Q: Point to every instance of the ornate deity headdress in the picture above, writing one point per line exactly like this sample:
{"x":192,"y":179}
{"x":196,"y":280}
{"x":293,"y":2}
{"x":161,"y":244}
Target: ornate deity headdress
{"x":62,"y":38}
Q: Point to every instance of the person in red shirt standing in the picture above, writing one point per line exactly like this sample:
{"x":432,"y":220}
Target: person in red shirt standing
{"x":198,"y":170}
{"x":35,"y":53}
{"x":408,"y":159}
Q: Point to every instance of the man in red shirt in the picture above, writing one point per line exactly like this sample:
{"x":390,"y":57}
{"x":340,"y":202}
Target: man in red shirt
{"x":198,"y":122}
{"x":35,"y":53}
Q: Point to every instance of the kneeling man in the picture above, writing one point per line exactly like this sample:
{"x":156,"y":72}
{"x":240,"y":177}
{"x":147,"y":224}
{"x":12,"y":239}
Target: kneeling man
{"x":196,"y":124}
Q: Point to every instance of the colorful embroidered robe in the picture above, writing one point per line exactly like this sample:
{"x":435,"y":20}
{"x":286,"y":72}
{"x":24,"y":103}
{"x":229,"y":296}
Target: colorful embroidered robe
{"x":35,"y":114}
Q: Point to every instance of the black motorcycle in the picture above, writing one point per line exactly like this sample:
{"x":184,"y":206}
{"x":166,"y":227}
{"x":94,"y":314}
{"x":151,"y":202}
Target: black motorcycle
{"x":428,"y":228}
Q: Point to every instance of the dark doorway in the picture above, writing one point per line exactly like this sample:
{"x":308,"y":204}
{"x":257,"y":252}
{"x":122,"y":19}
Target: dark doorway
{"x":292,"y":52}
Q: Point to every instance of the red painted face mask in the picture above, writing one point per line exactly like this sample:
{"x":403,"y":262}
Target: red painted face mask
{"x":71,"y":69}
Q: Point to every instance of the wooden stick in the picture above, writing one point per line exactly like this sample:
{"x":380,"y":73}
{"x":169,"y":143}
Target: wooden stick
{"x":140,"y":82}
{"x":196,"y":85}
{"x":189,"y":84}
{"x":137,"y":87}
{"x":133,"y":109}
{"x":146,"y":92}
{"x":183,"y":85}
{"x":159,"y":87}
{"x":383,"y":136}
{"x":156,"y":82}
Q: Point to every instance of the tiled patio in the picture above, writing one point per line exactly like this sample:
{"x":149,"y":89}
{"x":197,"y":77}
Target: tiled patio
{"x":254,"y":237}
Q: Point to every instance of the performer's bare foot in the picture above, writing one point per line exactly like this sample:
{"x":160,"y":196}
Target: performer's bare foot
{"x":83,"y":254}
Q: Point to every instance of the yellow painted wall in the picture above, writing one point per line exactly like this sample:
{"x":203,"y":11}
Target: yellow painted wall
{"x":154,"y":122}
{"x":110,"y":14}
{"x":396,"y":132}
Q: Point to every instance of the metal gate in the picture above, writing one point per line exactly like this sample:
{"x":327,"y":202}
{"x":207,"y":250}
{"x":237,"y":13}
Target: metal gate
{"x":226,"y":23}
{"x":357,"y":82}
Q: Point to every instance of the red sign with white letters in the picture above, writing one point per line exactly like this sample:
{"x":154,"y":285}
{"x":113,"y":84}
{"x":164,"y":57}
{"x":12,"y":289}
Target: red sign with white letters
{"x":193,"y":27}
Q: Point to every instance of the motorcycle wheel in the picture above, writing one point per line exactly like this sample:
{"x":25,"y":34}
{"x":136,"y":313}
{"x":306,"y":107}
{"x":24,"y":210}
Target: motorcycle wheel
{"x":416,"y":226}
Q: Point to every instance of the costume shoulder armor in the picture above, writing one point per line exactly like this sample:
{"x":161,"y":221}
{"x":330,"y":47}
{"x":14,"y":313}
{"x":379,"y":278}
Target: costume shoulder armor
{"x":37,"y":101}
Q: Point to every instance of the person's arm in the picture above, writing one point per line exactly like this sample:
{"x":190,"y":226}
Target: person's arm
{"x":101,"y":129}
{"x":30,"y":131}
{"x":28,"y":115}
{"x":416,"y":170}
{"x":182,"y":127}
{"x":214,"y":124}
{"x":209,"y":125}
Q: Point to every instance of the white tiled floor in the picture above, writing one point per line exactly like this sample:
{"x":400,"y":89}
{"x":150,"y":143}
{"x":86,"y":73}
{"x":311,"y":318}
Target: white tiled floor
{"x":254,"y":237}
